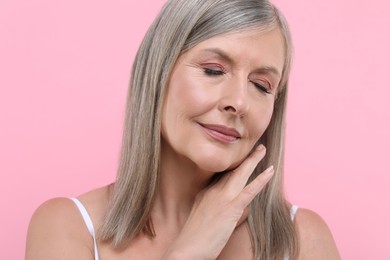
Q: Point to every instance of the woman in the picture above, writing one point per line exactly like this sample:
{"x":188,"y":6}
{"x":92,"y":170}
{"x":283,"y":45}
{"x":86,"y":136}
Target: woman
{"x":207,"y":95}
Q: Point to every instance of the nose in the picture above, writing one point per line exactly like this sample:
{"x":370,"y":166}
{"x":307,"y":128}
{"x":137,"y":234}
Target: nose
{"x":235,"y":98}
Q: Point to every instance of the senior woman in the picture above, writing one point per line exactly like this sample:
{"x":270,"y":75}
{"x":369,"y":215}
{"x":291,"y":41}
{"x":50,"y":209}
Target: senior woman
{"x":207,"y":98}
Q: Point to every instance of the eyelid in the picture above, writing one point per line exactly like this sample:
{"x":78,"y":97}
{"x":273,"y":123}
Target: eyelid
{"x":267,"y":88}
{"x":213,"y":66}
{"x":263,"y":80}
{"x":213,"y":72}
{"x":213,"y":69}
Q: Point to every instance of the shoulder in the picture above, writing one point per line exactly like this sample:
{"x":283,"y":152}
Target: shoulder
{"x":315,"y":239}
{"x":58,"y":231}
{"x":238,"y":245}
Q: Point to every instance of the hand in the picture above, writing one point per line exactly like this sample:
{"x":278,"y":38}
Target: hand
{"x":217,"y":211}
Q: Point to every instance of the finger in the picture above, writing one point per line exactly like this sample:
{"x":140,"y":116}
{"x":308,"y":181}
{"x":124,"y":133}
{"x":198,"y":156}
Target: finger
{"x":239,"y":176}
{"x":244,"y":216}
{"x":253,"y":188}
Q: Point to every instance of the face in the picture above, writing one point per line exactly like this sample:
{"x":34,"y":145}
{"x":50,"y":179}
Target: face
{"x":220,"y":98}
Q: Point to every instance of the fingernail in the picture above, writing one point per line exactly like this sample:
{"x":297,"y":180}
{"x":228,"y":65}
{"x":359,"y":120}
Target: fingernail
{"x":260,"y":147}
{"x":269,"y":171}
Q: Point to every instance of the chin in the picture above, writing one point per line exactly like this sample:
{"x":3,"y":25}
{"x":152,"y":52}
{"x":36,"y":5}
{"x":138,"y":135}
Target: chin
{"x":214,"y":168}
{"x":214,"y":165}
{"x":217,"y":161}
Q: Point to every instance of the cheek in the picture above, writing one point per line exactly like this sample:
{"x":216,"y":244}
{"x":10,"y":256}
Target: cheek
{"x":183,"y":101}
{"x":260,"y":122}
{"x":190,"y":96}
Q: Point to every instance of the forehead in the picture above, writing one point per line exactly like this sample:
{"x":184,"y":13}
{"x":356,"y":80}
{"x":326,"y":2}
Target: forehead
{"x":254,"y":46}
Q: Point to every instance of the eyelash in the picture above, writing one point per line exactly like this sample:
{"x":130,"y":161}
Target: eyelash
{"x":262,"y":88}
{"x":212,"y":72}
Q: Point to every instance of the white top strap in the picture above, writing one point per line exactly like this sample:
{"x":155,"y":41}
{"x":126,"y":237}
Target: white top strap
{"x":293,"y":211}
{"x":88,"y":223}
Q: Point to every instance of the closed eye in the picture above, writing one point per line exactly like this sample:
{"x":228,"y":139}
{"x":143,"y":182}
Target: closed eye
{"x":213,"y":72}
{"x":261,"y":87}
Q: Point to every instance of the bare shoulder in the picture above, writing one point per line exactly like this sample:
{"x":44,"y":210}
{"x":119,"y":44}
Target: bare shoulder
{"x":58,"y":231}
{"x":239,"y":245}
{"x":316,"y":240}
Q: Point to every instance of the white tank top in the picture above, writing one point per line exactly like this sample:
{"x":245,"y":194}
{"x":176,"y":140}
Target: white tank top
{"x":89,"y":224}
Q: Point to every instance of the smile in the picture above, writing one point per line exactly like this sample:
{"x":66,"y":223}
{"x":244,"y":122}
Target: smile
{"x":221,"y":133}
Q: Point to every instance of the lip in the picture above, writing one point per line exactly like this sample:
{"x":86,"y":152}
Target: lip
{"x":221,"y":133}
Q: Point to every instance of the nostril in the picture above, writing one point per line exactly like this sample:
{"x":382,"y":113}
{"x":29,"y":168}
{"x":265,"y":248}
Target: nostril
{"x":230,"y":108}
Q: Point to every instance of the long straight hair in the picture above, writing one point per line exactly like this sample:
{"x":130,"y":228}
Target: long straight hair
{"x":181,"y":25}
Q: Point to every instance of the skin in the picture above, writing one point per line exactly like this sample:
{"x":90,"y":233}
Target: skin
{"x":220,"y":81}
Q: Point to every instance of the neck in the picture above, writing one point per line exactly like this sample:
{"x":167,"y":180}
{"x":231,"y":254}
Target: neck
{"x":180,"y":182}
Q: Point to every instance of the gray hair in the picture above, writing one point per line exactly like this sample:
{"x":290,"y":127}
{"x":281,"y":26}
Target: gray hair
{"x":181,"y":25}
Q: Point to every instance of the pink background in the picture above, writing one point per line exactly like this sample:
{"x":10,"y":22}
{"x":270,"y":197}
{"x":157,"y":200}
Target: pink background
{"x":64,"y":69}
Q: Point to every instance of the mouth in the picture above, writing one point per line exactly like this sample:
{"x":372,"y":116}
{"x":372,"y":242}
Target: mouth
{"x":221,"y":133}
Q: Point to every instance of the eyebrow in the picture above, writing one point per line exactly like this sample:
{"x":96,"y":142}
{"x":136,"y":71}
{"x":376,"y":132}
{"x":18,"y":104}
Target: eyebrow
{"x":225,"y":56}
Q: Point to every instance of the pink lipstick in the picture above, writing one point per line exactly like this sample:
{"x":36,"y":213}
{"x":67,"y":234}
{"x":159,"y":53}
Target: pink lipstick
{"x":222,"y":133}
